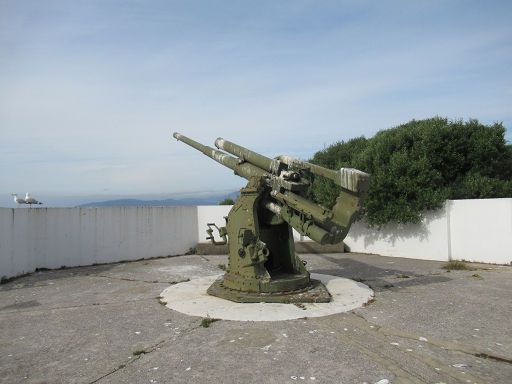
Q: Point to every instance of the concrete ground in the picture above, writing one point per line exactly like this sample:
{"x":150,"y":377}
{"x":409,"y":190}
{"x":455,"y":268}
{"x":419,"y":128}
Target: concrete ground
{"x":105,"y":324}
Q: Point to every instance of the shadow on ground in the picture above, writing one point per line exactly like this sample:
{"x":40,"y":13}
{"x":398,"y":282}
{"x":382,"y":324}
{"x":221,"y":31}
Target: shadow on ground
{"x":376,"y":277}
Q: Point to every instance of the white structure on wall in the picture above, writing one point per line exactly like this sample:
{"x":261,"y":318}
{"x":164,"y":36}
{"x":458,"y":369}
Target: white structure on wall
{"x":426,"y":241}
{"x":480,"y":230}
{"x":55,"y":237}
{"x":474,"y":230}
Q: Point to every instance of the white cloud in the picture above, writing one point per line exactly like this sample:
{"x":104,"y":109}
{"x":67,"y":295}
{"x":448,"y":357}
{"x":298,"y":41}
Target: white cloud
{"x":90,"y":94}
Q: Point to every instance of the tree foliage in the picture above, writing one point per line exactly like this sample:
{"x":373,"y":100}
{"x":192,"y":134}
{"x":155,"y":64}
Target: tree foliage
{"x":418,"y":165}
{"x":227,"y":201}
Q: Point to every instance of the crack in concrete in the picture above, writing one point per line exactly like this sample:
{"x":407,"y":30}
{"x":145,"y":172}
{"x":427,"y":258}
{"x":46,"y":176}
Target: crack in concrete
{"x":501,"y":359}
{"x":131,"y":361}
{"x":145,"y":351}
{"x":37,"y":284}
{"x":392,"y":362}
{"x":142,"y":281}
{"x":401,"y":375}
{"x":23,"y":287}
{"x":73,"y":306}
{"x":450,"y":346}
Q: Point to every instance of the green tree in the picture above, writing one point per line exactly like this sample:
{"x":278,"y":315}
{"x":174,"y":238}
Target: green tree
{"x":418,"y":165}
{"x":227,"y":201}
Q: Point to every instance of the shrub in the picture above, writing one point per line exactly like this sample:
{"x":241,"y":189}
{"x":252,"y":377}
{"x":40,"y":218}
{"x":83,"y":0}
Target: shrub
{"x":418,"y":165}
{"x":227,"y":201}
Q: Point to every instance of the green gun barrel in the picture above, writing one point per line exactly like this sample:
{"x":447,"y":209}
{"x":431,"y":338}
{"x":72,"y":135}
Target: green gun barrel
{"x":263,"y":162}
{"x":242,"y":169}
{"x":348,"y":178}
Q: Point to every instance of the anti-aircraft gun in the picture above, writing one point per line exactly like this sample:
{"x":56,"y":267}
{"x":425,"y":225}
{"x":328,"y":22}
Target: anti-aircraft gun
{"x":263,"y":266}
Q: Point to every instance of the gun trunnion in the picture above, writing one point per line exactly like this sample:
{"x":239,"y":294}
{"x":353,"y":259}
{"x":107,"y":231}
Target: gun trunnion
{"x":263,"y":266}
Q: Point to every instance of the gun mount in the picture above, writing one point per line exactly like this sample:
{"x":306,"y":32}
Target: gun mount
{"x":263,"y":266}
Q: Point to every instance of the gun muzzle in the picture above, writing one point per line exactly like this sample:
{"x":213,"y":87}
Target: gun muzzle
{"x":241,"y":168}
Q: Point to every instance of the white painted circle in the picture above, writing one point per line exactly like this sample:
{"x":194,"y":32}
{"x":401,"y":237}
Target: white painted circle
{"x":191,"y":298}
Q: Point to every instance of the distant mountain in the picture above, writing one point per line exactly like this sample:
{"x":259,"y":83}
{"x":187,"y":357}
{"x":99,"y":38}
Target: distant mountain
{"x":210,"y":200}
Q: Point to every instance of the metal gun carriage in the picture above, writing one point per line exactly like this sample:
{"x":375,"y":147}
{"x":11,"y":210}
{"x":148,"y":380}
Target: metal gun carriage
{"x":263,"y":266}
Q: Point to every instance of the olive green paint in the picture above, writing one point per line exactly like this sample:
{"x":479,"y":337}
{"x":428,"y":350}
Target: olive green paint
{"x":263,"y":265}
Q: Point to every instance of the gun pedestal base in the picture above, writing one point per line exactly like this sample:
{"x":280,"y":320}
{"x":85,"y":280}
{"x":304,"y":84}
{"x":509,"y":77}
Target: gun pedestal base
{"x":263,"y":266}
{"x":314,"y":292}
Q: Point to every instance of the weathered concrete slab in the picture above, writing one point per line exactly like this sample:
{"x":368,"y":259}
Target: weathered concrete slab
{"x":104,"y":324}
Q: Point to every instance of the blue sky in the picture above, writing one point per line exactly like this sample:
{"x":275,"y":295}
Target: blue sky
{"x":91,"y":91}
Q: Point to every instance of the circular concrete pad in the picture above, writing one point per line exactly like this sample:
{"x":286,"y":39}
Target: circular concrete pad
{"x":191,"y":298}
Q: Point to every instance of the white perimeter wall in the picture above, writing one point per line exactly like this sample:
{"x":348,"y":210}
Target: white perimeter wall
{"x":426,"y":241}
{"x":30,"y":238}
{"x":481,"y":230}
{"x":53,"y":237}
{"x":473,"y":230}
